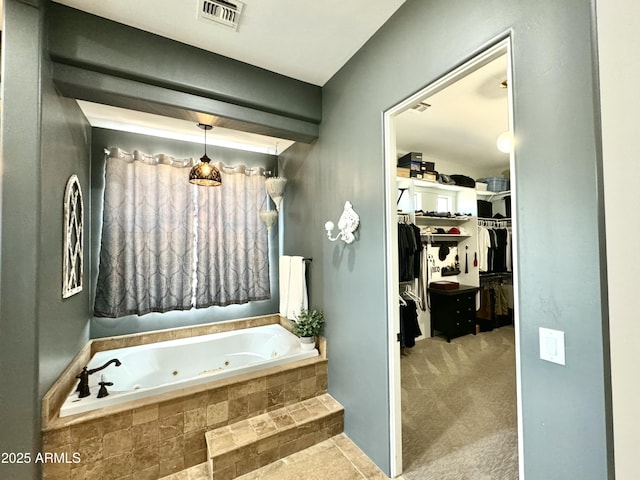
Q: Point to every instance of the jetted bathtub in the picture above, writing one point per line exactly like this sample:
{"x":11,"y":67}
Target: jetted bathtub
{"x":170,"y":365}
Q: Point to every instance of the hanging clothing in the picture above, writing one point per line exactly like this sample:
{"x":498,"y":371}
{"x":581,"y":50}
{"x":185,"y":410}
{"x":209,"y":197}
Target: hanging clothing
{"x":500,"y":251}
{"x":485,"y":310}
{"x":409,"y":327}
{"x":495,"y":247}
{"x":417,"y":250}
{"x":484,"y":243}
{"x":409,"y":247}
{"x":509,"y":251}
{"x":423,"y":280}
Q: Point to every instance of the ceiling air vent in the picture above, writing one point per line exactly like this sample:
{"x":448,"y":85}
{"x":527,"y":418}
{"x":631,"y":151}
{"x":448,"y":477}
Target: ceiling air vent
{"x":225,"y":12}
{"x":421,"y":107}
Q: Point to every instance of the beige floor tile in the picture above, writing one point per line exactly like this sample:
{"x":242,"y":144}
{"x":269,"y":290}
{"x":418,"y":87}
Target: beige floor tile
{"x":324,"y":461}
{"x":337,"y":458}
{"x":330,"y":402}
{"x":300,"y":415}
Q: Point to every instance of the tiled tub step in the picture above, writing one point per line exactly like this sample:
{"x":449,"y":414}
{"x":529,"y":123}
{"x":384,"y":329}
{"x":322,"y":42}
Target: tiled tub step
{"x":242,"y":447}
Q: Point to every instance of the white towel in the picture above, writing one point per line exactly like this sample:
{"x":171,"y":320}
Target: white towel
{"x":293,"y":286}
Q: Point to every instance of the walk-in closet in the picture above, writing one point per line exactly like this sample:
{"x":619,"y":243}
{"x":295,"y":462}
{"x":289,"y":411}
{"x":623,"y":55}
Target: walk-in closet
{"x":455,"y":254}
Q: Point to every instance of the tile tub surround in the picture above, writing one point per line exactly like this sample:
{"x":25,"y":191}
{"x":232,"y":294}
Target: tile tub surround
{"x":247,"y":445}
{"x":56,"y":395}
{"x":158,"y":439}
{"x":138,"y":436}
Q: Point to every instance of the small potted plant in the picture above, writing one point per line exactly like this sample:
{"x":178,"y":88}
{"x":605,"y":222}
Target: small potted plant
{"x":307,"y":326}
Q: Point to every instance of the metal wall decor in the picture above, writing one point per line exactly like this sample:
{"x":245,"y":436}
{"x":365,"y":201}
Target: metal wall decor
{"x":73,"y":238}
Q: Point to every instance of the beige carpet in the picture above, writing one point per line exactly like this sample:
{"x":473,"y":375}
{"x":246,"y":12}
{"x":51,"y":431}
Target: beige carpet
{"x":459,"y":408}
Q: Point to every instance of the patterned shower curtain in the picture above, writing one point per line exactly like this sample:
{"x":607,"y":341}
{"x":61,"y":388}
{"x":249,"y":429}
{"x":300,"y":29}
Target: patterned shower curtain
{"x":232,"y":253}
{"x":169,"y":245}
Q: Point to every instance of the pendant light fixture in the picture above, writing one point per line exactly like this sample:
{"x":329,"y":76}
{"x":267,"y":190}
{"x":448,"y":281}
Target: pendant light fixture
{"x":205,"y":173}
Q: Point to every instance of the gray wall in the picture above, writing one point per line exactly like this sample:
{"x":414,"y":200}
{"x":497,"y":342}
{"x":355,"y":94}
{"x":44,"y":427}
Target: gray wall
{"x":558,"y":208}
{"x":63,"y":323}
{"x":20,"y":235}
{"x":566,"y":429}
{"x":103,"y":138}
{"x":39,"y":332}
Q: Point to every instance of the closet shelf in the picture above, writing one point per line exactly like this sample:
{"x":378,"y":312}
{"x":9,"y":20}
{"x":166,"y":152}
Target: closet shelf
{"x":418,"y":183}
{"x":427,"y":219}
{"x":493,"y":195}
{"x":439,"y":237}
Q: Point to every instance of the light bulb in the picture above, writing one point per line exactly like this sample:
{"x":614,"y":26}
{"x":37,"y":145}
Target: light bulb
{"x":328,"y":226}
{"x":505,"y":142}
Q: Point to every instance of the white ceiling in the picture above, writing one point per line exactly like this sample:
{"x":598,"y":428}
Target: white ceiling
{"x":463,"y":122}
{"x":311,"y":41}
{"x":303,"y":39}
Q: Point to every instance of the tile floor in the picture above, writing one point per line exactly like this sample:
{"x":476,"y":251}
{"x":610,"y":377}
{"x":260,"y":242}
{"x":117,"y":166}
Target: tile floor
{"x":258,"y":441}
{"x":337,"y":458}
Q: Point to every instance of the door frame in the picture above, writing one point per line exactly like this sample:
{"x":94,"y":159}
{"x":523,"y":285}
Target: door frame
{"x":497,"y":47}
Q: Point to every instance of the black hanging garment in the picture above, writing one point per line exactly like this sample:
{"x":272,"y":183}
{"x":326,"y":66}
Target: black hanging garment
{"x":409,"y":328}
{"x":408,"y":247}
{"x":404,"y":247}
{"x":500,"y":253}
{"x":492,"y":250}
{"x":418,"y":250}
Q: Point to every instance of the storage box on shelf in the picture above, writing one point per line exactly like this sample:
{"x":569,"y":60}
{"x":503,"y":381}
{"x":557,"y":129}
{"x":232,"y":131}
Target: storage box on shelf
{"x":495,"y":184}
{"x":406,"y":172}
{"x":412,"y":166}
{"x":415,"y":162}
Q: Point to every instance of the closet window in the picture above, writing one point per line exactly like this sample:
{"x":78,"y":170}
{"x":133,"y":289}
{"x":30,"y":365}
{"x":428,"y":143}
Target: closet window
{"x":444,"y":204}
{"x":170,"y":245}
{"x":417,"y":201}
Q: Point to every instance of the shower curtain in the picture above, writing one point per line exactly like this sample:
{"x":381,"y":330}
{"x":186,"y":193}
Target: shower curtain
{"x":169,"y":245}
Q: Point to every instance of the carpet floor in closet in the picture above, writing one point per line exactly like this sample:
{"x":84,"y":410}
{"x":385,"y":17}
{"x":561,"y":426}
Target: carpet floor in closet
{"x":459,"y":408}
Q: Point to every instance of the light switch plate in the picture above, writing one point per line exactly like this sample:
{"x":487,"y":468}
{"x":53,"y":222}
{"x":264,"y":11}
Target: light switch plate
{"x":552,"y":345}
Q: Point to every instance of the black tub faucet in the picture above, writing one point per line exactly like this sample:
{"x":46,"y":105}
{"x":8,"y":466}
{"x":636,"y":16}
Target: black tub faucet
{"x":83,"y":384}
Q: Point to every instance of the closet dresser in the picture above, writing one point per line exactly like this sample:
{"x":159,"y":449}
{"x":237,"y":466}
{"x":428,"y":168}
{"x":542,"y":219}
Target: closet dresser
{"x":453,"y":311}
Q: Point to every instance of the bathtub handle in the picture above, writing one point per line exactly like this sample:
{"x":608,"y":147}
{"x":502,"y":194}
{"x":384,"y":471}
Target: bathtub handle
{"x":83,"y":384}
{"x":103,"y":387}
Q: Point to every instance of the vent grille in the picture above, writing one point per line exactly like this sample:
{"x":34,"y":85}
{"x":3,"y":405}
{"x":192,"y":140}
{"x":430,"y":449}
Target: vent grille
{"x":224,"y":12}
{"x":421,"y":107}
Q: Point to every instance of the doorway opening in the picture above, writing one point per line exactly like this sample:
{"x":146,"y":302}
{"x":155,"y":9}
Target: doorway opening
{"x":453,"y":313}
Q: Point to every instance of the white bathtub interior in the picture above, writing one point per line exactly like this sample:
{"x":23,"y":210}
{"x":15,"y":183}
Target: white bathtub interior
{"x":174,"y":364}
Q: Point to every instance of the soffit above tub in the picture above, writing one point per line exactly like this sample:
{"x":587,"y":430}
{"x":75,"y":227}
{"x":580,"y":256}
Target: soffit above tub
{"x":106,"y":116}
{"x":308,"y":41}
